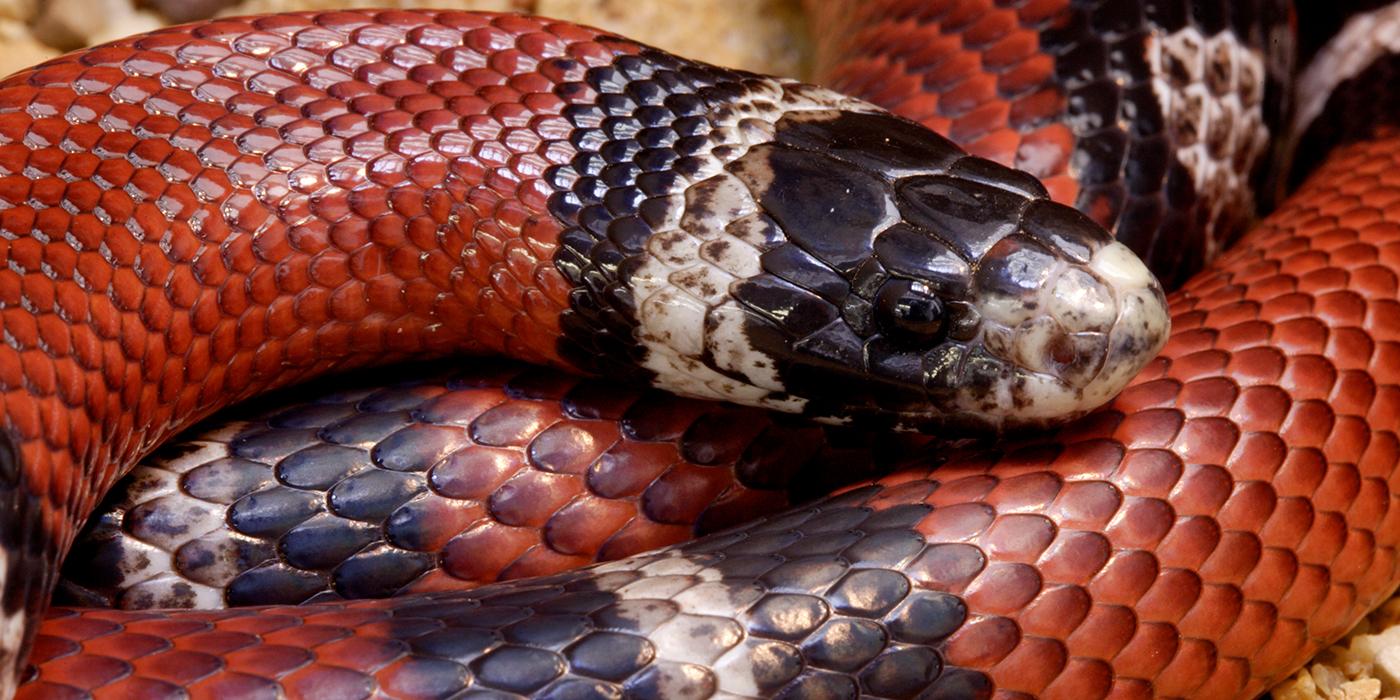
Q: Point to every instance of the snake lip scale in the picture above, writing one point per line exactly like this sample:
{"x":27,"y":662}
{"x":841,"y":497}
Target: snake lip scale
{"x":199,"y":215}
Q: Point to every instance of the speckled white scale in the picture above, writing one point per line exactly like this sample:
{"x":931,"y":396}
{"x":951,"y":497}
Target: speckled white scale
{"x":173,"y":587}
{"x":703,"y":630}
{"x":730,"y":346}
{"x":147,"y":569}
{"x":1081,"y":302}
{"x":691,"y":638}
{"x":1105,"y":298}
{"x":1194,"y":110}
{"x":717,"y":598}
{"x":701,"y":255}
{"x":670,"y":564}
{"x":657,"y":586}
{"x":735,"y":669}
{"x":677,"y":319}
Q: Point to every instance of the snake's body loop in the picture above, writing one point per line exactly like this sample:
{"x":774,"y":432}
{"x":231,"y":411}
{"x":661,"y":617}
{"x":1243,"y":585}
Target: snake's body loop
{"x":205,"y":213}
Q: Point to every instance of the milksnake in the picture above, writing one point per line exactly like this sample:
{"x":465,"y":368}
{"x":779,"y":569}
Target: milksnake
{"x":197,"y":216}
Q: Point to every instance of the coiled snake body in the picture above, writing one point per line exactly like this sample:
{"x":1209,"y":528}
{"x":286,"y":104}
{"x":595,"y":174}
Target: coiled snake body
{"x":195,"y":216}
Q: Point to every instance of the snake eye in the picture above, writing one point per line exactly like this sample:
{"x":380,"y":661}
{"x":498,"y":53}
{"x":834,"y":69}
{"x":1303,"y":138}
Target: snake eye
{"x":909,"y":310}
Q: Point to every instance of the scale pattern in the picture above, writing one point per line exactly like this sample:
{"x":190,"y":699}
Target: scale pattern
{"x":1228,"y":515}
{"x":1080,"y":95}
{"x":990,"y":91}
{"x":458,"y":476}
{"x":197,"y":215}
{"x":707,"y":259}
{"x":1225,"y":517}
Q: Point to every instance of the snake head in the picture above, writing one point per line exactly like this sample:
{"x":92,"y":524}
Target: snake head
{"x":965,"y":296}
{"x":820,"y":256}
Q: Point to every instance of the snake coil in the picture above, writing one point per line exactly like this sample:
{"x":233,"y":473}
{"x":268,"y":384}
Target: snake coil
{"x":195,"y":216}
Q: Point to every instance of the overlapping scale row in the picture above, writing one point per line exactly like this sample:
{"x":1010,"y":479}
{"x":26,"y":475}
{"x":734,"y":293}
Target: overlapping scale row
{"x":744,"y":238}
{"x":1225,"y":517}
{"x":197,"y":215}
{"x":804,"y":604}
{"x":647,"y":127}
{"x":666,"y":230}
{"x":1151,"y":118}
{"x":991,"y":92}
{"x":205,"y":213}
{"x":456,"y":477}
{"x":268,"y":197}
{"x":1233,"y":510}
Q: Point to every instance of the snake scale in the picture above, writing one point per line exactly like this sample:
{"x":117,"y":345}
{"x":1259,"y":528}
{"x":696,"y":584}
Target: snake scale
{"x":197,"y":216}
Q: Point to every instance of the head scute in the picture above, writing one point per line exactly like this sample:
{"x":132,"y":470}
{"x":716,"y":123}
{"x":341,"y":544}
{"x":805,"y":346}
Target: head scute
{"x":777,"y":244}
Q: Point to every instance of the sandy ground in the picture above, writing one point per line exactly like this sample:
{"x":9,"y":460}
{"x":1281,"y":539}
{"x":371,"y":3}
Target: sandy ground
{"x":761,"y":35}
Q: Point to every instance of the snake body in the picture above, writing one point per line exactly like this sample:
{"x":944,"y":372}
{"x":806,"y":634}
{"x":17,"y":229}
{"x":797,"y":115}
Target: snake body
{"x":467,"y":475}
{"x":268,"y":199}
{"x":1152,"y":118}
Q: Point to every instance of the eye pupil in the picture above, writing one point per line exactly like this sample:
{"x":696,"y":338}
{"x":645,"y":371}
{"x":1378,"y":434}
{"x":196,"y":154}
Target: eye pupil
{"x":910,"y":310}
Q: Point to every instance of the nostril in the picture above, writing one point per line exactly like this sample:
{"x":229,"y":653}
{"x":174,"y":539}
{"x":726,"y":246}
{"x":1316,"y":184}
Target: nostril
{"x":1062,"y":351}
{"x":1044,"y":346}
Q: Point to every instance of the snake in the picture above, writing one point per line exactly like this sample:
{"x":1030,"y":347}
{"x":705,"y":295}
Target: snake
{"x":196,"y":216}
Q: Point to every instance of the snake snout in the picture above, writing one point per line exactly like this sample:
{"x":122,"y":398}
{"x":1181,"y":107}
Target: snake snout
{"x":1068,"y":315}
{"x":1140,"y":328}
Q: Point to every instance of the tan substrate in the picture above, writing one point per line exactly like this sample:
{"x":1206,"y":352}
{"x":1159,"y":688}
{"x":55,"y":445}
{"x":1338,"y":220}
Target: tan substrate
{"x":1363,"y":666}
{"x":761,"y":35}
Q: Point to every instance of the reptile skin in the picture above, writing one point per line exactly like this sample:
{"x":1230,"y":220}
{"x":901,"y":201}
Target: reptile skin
{"x":175,"y":216}
{"x":1072,"y":92}
{"x":1224,"y":517}
{"x":201,"y":214}
{"x":975,"y":76}
{"x":446,"y":478}
{"x":1228,"y":515}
